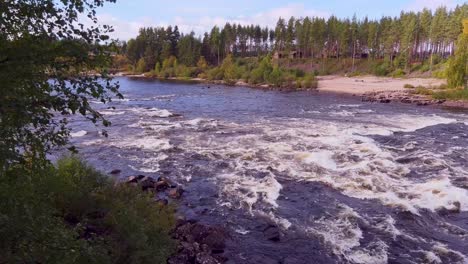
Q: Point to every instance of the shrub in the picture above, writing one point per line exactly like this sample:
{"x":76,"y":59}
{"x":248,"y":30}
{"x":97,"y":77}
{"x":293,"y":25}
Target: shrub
{"x":275,"y":77}
{"x":382,"y":69}
{"x":215,"y":74}
{"x":141,"y":66}
{"x":453,"y":94}
{"x":398,"y":73}
{"x":73,"y":214}
{"x":310,"y":82}
{"x":423,"y":90}
{"x":409,"y":86}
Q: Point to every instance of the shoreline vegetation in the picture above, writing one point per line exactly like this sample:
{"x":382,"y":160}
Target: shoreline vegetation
{"x":293,"y":54}
{"x":408,"y":90}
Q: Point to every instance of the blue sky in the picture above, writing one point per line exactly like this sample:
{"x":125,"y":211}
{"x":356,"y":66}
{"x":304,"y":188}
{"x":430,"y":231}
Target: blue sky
{"x":129,"y":15}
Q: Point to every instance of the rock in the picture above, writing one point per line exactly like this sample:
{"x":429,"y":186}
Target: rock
{"x":134,"y":179}
{"x":406,"y":160}
{"x":272,"y":233}
{"x":206,"y":258}
{"x":114,"y":172}
{"x":198,"y":243}
{"x":161,"y":186}
{"x":176,"y":193}
{"x":147,"y":183}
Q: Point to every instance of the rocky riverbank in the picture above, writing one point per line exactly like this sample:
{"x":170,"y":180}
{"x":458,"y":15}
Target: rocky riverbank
{"x":409,"y":97}
{"x":405,"y":97}
{"x":196,"y":243}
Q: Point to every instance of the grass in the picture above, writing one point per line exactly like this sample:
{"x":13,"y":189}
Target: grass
{"x":71,"y":213}
{"x":452,"y":94}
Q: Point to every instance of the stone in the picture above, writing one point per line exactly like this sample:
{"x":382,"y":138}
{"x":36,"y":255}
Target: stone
{"x":134,"y":179}
{"x":147,"y":183}
{"x":272,"y":233}
{"x":176,"y":193}
{"x":116,"y":171}
{"x":206,"y":258}
{"x":161,"y":186}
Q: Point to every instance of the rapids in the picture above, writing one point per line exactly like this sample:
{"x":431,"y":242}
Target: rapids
{"x":345,"y":181}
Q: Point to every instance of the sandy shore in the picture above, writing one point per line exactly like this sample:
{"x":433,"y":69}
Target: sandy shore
{"x":366,"y":84}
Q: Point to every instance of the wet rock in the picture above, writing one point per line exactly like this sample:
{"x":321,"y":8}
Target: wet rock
{"x":161,"y":185}
{"x":406,"y":160}
{"x":206,"y":258}
{"x":198,"y":243}
{"x":115,"y":172}
{"x":147,"y":183}
{"x":134,"y":179}
{"x":272,"y":233}
{"x":176,"y":193}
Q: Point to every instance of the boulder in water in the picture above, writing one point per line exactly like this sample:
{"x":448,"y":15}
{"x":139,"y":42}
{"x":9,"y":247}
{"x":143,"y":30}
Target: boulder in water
{"x":272,"y":233}
{"x":115,"y":172}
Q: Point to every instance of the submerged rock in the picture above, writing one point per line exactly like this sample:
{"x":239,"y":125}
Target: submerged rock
{"x":116,"y":171}
{"x":272,"y":233}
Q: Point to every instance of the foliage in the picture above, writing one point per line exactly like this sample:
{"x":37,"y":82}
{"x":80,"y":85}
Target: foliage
{"x":452,"y":94}
{"x":46,"y":59}
{"x":228,"y":69}
{"x":412,"y":37}
{"x":73,"y":214}
{"x":457,"y":69}
{"x":141,"y":66}
{"x":382,"y":69}
{"x":310,"y":82}
{"x":408,"y":86}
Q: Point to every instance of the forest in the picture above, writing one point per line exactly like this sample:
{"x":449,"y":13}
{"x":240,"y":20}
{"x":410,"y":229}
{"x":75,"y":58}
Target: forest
{"x":413,"y":42}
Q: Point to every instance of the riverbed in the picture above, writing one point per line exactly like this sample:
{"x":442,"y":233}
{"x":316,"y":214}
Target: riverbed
{"x":296,"y":177}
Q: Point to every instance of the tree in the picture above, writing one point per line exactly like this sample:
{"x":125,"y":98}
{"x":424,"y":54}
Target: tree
{"x":458,"y":65}
{"x":141,"y":66}
{"x":46,"y":58}
{"x":229,"y":70}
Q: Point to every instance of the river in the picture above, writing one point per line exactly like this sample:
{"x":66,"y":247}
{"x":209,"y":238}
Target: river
{"x":341,"y":180}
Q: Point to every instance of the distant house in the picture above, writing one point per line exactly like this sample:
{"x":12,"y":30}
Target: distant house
{"x":287,"y":54}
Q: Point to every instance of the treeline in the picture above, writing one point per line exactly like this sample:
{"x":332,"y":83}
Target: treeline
{"x":425,"y":37}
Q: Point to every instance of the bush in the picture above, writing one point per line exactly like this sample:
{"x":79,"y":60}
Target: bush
{"x":409,"y":86}
{"x":423,"y":90}
{"x":453,"y":94}
{"x":73,"y":214}
{"x":141,"y":66}
{"x":398,"y":73}
{"x":275,"y":77}
{"x":382,"y":69}
{"x":310,"y":82}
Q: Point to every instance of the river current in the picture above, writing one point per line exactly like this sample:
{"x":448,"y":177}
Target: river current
{"x":341,"y":180}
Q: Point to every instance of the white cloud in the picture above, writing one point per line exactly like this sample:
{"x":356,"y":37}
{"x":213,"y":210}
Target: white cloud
{"x":418,"y":5}
{"x":125,"y":30}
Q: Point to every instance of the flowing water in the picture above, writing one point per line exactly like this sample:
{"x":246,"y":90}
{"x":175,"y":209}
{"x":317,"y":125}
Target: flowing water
{"x":345,"y":181}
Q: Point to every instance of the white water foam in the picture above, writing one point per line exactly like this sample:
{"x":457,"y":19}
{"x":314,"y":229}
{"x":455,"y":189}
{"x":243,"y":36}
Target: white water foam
{"x":342,"y":233}
{"x":77,"y":134}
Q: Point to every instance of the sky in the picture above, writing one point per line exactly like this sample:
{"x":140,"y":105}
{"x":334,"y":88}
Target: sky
{"x":127,"y":16}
